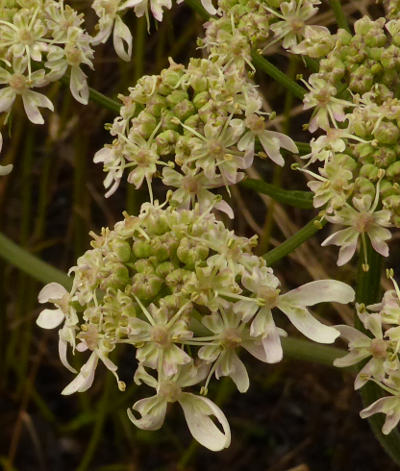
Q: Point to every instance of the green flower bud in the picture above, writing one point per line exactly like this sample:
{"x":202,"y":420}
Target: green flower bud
{"x":157,"y":223}
{"x":171,"y":77}
{"x":166,"y":142}
{"x":118,"y":277}
{"x":122,"y":249}
{"x":384,"y":156}
{"x":184,"y":109}
{"x":176,"y":97}
{"x":393,"y":170}
{"x":189,"y":252}
{"x":334,"y":67}
{"x":177,"y":279}
{"x":390,"y":58}
{"x":143,"y":265}
{"x":168,"y":121}
{"x":364,"y":150}
{"x":160,"y":249}
{"x":146,"y":286}
{"x":200,"y":99}
{"x":387,"y":133}
{"x":369,"y":171}
{"x":386,"y":188}
{"x":364,"y":186}
{"x":142,"y":248}
{"x":164,"y":269}
{"x":144,"y":124}
{"x":155,"y":105}
{"x":343,"y":37}
{"x":375,"y":53}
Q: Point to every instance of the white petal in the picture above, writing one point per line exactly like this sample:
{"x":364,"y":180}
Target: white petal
{"x":273,"y":347}
{"x":351,"y":358}
{"x":7,"y":97}
{"x":5,"y":169}
{"x":50,"y":318}
{"x":354,"y":336}
{"x":32,"y":101}
{"x":207,"y":4}
{"x":62,"y":351}
{"x":52,"y":291}
{"x":152,"y":411}
{"x":122,"y":39}
{"x":320,"y":291}
{"x":197,"y":411}
{"x":78,"y":85}
{"x":84,"y":380}
{"x":239,"y":374}
{"x":302,"y":319}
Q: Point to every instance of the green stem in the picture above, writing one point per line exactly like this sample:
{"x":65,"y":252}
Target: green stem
{"x":263,"y":64}
{"x":30,"y":264}
{"x":304,"y":350}
{"x":295,"y":241}
{"x":298,"y":199}
{"x":339,"y":15}
{"x":367,"y":292}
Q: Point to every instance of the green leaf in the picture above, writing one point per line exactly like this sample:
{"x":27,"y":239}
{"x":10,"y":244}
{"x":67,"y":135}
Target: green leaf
{"x":298,"y":199}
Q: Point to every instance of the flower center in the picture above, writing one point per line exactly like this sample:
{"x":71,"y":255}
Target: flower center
{"x":231,"y":338}
{"x":18,"y":83}
{"x":363,"y":222}
{"x":160,"y":336}
{"x":378,"y":348}
{"x":171,"y":391}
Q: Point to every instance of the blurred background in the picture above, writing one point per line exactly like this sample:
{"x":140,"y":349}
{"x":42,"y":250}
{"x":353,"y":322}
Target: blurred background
{"x":296,"y":416}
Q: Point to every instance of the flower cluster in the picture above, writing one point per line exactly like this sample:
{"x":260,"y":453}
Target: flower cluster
{"x":110,"y":12}
{"x":40,"y":41}
{"x":188,"y":294}
{"x":247,"y":24}
{"x":378,"y":348}
{"x":354,"y":100}
{"x":198,"y":124}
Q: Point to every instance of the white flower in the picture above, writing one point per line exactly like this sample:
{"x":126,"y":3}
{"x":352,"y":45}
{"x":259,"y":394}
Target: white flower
{"x":328,"y":108}
{"x":52,"y":318}
{"x":362,"y":220}
{"x":390,"y":406}
{"x":294,"y":304}
{"x":198,"y":410}
{"x":361,"y":346}
{"x":271,"y":141}
{"x":17,"y":83}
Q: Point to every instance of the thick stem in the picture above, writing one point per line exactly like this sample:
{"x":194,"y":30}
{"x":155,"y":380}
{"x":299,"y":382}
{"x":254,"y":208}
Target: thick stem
{"x":297,"y":199}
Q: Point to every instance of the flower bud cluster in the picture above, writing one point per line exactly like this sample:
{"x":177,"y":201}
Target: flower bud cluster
{"x":40,"y":41}
{"x":188,"y":294}
{"x":247,"y":24}
{"x":194,"y":126}
{"x":378,"y":348}
{"x":357,"y":186}
{"x":357,"y":61}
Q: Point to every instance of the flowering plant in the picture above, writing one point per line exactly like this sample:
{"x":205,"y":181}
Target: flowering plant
{"x":180,"y":292}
